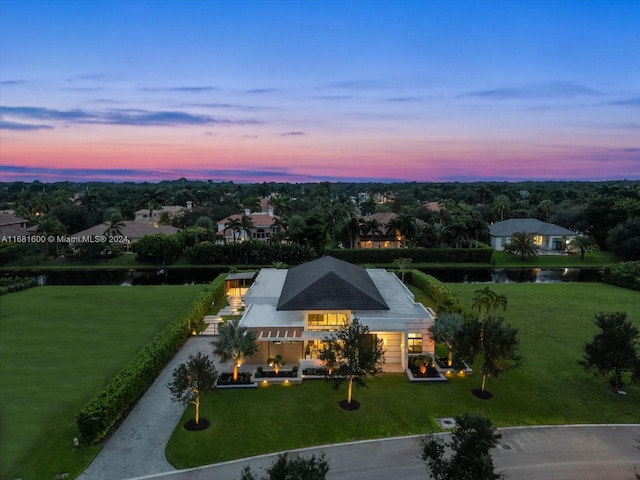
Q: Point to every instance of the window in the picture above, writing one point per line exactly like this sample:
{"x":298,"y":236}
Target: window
{"x":415,"y":343}
{"x":326,"y":321}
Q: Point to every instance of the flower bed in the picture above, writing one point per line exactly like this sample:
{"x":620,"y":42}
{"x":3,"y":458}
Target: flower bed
{"x":225,"y":380}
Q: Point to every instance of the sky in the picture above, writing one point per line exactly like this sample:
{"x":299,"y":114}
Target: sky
{"x":308,"y":91}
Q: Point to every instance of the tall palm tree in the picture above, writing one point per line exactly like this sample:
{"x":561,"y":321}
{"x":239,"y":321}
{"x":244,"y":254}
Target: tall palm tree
{"x":281,"y":205}
{"x":115,"y":226}
{"x":296,"y":226}
{"x":501,"y":206}
{"x":235,"y":225}
{"x":247,"y":225}
{"x":234,"y":342}
{"x":522,"y":244}
{"x":152,"y":199}
{"x":373,"y":227}
{"x":486,"y":300}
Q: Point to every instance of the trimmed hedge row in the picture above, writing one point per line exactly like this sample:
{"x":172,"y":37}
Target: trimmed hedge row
{"x":97,"y":416}
{"x":247,"y":253}
{"x":446,"y":300}
{"x":418,"y":255}
{"x":623,"y":274}
{"x":14,"y":251}
{"x":15,"y":284}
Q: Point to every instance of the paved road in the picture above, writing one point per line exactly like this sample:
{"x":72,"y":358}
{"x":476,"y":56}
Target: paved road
{"x":603,"y":452}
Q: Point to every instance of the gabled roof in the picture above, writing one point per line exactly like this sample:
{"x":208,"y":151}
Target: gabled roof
{"x":507,"y":228}
{"x":8,"y":219}
{"x":259,"y":219}
{"x":383,"y":218}
{"x":329,"y":284}
{"x":131,"y":229}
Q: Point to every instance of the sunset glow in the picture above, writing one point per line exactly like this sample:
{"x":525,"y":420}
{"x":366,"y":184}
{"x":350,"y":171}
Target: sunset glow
{"x":255,"y":91}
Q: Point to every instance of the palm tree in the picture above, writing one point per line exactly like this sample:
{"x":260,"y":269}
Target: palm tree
{"x":247,"y":225}
{"x":486,"y":300}
{"x":402,"y":264}
{"x":296,"y":226}
{"x":444,"y":330}
{"x":234,"y":342}
{"x":585,"y":244}
{"x":115,"y":226}
{"x":280,"y":205}
{"x":152,"y":198}
{"x":235,"y":225}
{"x":372,"y":226}
{"x":522,"y":244}
{"x":501,"y":206}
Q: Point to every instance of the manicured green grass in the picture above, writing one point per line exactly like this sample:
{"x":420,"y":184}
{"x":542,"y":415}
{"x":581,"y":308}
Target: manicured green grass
{"x":591,"y":260}
{"x":59,"y":346}
{"x":554,"y":321}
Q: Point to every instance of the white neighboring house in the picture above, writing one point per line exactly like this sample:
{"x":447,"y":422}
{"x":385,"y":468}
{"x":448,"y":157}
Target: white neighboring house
{"x":548,"y":237}
{"x":264,"y":226}
{"x":144,"y":215}
{"x":293,"y":310}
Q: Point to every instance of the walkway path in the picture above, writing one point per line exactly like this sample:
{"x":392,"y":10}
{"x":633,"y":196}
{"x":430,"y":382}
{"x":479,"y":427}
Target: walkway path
{"x":137,"y":447}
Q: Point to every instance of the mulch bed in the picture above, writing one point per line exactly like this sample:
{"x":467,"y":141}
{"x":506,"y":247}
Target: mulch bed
{"x":481,"y":395}
{"x":192,"y":426}
{"x":354,"y":405}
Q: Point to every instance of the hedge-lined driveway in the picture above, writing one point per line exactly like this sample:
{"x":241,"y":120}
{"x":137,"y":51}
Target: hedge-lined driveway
{"x":137,"y":447}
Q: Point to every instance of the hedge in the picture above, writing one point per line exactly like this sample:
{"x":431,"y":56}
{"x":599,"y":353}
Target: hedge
{"x":15,"y":284}
{"x":623,"y":274}
{"x":418,"y":255}
{"x":445,"y":299}
{"x":247,"y":253}
{"x":97,"y":417}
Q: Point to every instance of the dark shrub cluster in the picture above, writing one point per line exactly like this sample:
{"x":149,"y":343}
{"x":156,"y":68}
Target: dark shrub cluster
{"x":15,"y":284}
{"x":623,"y":274}
{"x":247,"y":253}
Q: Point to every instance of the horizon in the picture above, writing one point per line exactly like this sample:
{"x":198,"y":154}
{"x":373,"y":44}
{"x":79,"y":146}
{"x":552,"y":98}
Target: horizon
{"x":255,"y":91}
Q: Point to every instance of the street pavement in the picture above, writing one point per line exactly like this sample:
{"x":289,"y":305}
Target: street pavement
{"x":136,"y":449}
{"x":589,"y":452}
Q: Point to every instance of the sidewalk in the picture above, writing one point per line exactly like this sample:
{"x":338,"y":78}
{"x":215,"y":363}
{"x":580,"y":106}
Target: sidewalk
{"x":137,"y":447}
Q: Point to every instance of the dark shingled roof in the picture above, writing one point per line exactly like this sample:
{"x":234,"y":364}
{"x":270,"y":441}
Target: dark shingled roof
{"x":329,"y":284}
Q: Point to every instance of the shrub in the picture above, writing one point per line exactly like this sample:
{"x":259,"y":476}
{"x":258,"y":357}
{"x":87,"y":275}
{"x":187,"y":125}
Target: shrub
{"x":445,"y":299}
{"x":97,"y":417}
{"x":623,"y":274}
{"x":15,"y":284}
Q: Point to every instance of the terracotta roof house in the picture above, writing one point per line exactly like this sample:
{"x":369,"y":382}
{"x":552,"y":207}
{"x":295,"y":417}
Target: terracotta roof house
{"x":293,"y":310}
{"x":264,"y":226}
{"x":548,"y":237}
{"x":12,"y":226}
{"x":368,"y":239}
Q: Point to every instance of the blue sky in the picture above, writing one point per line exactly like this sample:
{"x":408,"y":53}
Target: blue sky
{"x":315,"y":90}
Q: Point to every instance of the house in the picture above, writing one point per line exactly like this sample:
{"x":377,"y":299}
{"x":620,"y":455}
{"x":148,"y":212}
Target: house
{"x":263,"y":226}
{"x":152,"y":217}
{"x":548,"y":237}
{"x":130,"y":232}
{"x":377,"y":239}
{"x":12,"y":226}
{"x":292,"y":311}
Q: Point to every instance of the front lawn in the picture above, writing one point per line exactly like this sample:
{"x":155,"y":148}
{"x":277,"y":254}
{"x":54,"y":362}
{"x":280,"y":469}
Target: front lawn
{"x":59,"y":346}
{"x":554,"y":320}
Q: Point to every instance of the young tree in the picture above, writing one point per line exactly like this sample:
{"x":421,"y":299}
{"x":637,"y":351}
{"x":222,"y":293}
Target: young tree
{"x":298,"y":468}
{"x":494,"y":341}
{"x":359,"y":355}
{"x":192,"y":379}
{"x":471,"y":443}
{"x":402,"y":264}
{"x":444,"y":330}
{"x":233,"y":342}
{"x":615,"y":350}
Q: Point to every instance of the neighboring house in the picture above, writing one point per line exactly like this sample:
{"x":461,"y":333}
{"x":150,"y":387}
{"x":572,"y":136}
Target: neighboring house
{"x":151,"y":217}
{"x":293,"y":310}
{"x":264,"y":227}
{"x":12,"y":226}
{"x":548,"y":237}
{"x":380,"y":239}
{"x":131,"y":231}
